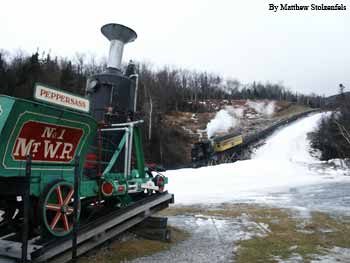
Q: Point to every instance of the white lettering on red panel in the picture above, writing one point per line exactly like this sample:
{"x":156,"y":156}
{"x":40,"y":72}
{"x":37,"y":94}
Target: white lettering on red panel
{"x":46,"y":142}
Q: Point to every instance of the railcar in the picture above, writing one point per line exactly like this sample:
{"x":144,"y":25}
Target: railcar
{"x":218,"y":149}
{"x":58,"y":131}
{"x":225,"y":142}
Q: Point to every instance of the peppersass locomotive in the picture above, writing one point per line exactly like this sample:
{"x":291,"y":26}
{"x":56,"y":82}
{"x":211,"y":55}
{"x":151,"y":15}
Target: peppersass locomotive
{"x":58,"y":129}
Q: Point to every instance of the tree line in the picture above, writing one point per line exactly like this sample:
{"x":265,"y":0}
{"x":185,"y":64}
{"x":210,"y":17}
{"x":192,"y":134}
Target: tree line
{"x":171,"y":88}
{"x":161,"y":90}
{"x":332,"y":138}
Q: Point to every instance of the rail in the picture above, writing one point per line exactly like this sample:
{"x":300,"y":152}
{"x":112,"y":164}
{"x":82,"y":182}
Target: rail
{"x":88,"y":235}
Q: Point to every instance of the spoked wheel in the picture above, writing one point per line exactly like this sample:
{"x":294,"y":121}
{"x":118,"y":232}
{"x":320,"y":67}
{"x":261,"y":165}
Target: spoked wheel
{"x":58,"y":209}
{"x":159,"y":181}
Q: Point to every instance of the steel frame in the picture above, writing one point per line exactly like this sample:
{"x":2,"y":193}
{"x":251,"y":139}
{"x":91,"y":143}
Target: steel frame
{"x":88,"y":236}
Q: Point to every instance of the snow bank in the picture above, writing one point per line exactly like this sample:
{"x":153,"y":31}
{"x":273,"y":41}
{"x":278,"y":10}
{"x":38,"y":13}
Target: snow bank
{"x":284,"y":162}
{"x":224,"y":120}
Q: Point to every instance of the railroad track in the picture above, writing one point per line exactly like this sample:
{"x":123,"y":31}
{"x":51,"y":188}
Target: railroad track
{"x":89,"y":235}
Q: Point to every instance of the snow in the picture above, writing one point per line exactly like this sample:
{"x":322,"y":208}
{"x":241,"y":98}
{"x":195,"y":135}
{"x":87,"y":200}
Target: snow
{"x":282,"y":164}
{"x":336,"y":254}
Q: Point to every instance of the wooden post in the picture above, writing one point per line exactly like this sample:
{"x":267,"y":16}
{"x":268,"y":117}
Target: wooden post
{"x":76,"y":208}
{"x":26,"y":204}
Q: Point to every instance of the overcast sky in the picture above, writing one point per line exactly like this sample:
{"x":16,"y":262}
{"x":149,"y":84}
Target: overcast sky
{"x":308,"y":51}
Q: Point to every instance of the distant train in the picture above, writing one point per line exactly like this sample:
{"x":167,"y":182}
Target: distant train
{"x":219,"y":149}
{"x":227,"y":148}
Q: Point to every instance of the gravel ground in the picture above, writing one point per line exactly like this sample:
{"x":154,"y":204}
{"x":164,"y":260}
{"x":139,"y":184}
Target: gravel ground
{"x":213,"y":238}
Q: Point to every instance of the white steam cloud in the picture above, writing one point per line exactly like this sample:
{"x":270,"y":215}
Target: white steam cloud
{"x":264,"y":108}
{"x":224,"y":120}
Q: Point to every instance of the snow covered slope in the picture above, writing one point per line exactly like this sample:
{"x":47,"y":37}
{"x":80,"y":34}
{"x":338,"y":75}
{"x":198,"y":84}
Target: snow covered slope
{"x":283,"y":163}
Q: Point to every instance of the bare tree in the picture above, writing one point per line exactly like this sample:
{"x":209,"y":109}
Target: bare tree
{"x":343,"y":131}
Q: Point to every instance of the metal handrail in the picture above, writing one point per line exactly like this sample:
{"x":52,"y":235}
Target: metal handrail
{"x":115,"y":129}
{"x":127,"y":123}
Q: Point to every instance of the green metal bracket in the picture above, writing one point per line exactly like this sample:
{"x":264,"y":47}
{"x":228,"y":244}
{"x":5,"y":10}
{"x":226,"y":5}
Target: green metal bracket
{"x":116,"y":154}
{"x":139,"y":152}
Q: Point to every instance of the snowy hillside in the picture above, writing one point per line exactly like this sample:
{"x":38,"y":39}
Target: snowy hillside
{"x":215,"y":118}
{"x":282,"y":163}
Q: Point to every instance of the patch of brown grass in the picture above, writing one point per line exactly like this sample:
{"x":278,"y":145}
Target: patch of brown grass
{"x":224,"y":211}
{"x":289,"y":235}
{"x":120,"y":251}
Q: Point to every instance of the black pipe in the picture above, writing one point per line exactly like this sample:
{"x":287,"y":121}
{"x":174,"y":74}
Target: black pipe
{"x":76,"y":207}
{"x":26,"y":205}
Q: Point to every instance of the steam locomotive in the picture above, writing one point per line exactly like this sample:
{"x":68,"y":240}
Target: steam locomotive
{"x":228,"y":148}
{"x":60,"y":133}
{"x":219,"y":149}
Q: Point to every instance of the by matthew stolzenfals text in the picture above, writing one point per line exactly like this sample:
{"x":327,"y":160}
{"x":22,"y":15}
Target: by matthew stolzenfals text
{"x":312,"y":7}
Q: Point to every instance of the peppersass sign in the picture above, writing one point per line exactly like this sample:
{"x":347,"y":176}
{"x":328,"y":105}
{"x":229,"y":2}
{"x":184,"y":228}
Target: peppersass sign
{"x":61,"y":98}
{"x":46,"y":142}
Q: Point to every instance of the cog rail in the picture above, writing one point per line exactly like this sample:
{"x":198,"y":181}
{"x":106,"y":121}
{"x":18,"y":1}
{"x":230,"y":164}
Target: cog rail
{"x":89,"y":235}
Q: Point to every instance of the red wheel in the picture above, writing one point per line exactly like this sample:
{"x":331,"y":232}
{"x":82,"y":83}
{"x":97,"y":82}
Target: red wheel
{"x":160,"y":183}
{"x":58,"y":210}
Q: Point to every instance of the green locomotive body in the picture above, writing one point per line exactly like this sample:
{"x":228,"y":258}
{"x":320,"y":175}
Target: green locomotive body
{"x":61,"y":133}
{"x":49,"y":134}
{"x":54,"y":137}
